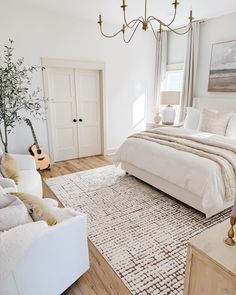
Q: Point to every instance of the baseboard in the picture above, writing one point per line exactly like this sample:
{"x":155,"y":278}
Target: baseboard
{"x":110,"y":152}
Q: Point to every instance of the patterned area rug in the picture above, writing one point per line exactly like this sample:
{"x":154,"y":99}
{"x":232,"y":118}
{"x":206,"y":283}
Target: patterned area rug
{"x":142,"y":232}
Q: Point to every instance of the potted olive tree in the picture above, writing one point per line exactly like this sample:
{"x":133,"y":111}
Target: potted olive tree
{"x":17,"y":100}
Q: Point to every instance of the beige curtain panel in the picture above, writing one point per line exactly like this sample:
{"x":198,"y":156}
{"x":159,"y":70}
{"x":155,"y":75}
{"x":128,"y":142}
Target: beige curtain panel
{"x":190,"y":70}
{"x":161,"y":62}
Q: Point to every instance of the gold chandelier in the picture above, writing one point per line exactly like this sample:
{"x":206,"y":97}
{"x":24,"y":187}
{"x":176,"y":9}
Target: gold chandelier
{"x":146,"y":21}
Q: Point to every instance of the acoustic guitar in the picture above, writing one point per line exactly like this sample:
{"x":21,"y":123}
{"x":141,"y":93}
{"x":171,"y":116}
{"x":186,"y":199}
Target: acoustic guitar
{"x":41,"y":159}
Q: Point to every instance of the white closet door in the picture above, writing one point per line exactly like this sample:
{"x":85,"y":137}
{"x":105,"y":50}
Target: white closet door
{"x":89,"y":112}
{"x":63,"y":113}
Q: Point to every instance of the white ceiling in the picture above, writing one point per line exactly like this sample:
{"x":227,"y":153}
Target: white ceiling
{"x":112,"y":13}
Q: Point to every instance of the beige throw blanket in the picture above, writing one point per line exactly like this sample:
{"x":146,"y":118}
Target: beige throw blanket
{"x":207,"y":147}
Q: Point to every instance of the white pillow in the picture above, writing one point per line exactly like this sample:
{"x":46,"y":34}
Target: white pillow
{"x":12,"y":212}
{"x":213,"y":122}
{"x":192,"y":118}
{"x":231,"y":129}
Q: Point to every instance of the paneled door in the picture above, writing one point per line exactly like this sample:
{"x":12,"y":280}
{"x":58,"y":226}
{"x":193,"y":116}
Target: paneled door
{"x":89,"y":110}
{"x":75,"y":112}
{"x":63,"y":113}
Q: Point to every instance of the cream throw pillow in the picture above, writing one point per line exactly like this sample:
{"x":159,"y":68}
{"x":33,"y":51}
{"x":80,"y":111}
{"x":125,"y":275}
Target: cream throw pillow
{"x":213,"y":122}
{"x":192,"y":119}
{"x":10,"y":168}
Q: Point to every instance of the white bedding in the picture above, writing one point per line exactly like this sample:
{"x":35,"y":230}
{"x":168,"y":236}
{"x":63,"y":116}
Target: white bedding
{"x":196,"y":174}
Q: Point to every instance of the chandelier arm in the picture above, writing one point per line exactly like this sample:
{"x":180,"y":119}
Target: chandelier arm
{"x":172,"y":19}
{"x":131,"y":37}
{"x":180,"y":33}
{"x":128,"y":24}
{"x":153,"y":30}
{"x":151,"y":18}
{"x":110,"y":36}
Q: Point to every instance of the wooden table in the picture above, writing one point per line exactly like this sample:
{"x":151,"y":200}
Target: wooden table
{"x":211,"y":264}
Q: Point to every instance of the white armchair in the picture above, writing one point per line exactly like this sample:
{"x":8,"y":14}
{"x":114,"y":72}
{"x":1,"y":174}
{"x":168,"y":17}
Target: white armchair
{"x":30,"y":180}
{"x":55,"y":261}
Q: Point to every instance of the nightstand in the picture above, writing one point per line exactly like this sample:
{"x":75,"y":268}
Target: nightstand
{"x":211,"y":264}
{"x":150,"y":126}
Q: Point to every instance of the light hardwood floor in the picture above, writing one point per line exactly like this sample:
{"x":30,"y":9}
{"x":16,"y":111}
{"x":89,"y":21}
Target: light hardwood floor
{"x":100,"y":279}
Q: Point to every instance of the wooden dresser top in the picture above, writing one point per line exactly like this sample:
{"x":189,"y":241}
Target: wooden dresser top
{"x":211,"y":243}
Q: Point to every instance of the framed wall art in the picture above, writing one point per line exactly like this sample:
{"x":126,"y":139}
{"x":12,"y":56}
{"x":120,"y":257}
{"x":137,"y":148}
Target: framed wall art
{"x":223,"y":67}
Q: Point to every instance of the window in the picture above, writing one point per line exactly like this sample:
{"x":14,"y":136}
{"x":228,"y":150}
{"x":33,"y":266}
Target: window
{"x":173,"y":81}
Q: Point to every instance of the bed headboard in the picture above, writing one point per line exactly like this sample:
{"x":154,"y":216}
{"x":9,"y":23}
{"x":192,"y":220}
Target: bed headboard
{"x":217,"y":104}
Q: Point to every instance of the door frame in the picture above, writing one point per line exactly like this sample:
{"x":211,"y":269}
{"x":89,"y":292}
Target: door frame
{"x":81,"y":65}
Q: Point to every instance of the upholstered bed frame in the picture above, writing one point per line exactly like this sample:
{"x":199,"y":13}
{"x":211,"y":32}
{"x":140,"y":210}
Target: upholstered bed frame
{"x":222,"y":105}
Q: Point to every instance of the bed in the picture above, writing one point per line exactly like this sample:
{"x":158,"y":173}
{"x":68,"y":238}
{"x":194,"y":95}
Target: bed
{"x":190,"y":178}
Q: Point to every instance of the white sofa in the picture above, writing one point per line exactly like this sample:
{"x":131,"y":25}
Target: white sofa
{"x":53,"y":263}
{"x":30,"y":180}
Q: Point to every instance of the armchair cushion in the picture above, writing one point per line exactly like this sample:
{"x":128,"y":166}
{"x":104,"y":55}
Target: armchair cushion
{"x":10,"y":168}
{"x":12,"y":212}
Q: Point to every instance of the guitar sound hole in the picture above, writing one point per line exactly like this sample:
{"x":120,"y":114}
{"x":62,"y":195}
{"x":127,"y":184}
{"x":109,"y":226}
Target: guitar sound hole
{"x":39,"y":152}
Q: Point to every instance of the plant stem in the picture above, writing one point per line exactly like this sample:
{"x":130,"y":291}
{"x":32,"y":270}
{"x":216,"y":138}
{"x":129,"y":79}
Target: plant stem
{"x":6,"y":139}
{"x":2,"y":140}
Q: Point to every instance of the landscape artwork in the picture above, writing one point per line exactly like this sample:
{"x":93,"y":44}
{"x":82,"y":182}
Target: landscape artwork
{"x":223,"y":67}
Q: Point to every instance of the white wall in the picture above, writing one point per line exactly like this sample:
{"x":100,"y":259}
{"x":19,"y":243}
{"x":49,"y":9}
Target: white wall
{"x":212,"y":31}
{"x":129,"y":68}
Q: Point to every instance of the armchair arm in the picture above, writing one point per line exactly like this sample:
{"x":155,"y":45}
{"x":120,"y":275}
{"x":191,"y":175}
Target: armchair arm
{"x":61,"y":249}
{"x":25,"y":162}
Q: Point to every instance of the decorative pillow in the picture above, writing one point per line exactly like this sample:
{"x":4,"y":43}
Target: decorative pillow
{"x":192,"y":118}
{"x":12,"y":212}
{"x":38,"y":209}
{"x":231,"y":129}
{"x":10,"y":168}
{"x":213,"y":122}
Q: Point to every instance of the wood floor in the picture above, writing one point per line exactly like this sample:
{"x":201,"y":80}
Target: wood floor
{"x":100,"y":279}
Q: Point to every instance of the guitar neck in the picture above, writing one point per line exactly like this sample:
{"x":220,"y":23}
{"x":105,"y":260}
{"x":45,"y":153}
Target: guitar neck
{"x":34,"y":136}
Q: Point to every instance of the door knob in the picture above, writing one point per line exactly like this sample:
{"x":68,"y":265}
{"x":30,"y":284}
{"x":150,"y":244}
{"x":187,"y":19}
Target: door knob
{"x":74,"y":120}
{"x":81,"y":120}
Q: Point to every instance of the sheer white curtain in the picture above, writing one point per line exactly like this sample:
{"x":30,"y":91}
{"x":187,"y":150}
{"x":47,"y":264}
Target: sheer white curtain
{"x":190,"y":69}
{"x":161,"y":62}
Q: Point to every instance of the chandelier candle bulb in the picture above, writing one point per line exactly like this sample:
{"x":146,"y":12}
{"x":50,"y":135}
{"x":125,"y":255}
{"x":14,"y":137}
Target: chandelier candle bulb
{"x":123,"y":6}
{"x":191,"y":15}
{"x":100,"y":20}
{"x":176,"y":3}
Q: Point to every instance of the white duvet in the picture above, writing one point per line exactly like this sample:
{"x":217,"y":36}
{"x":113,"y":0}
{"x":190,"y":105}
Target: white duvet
{"x":196,"y":174}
